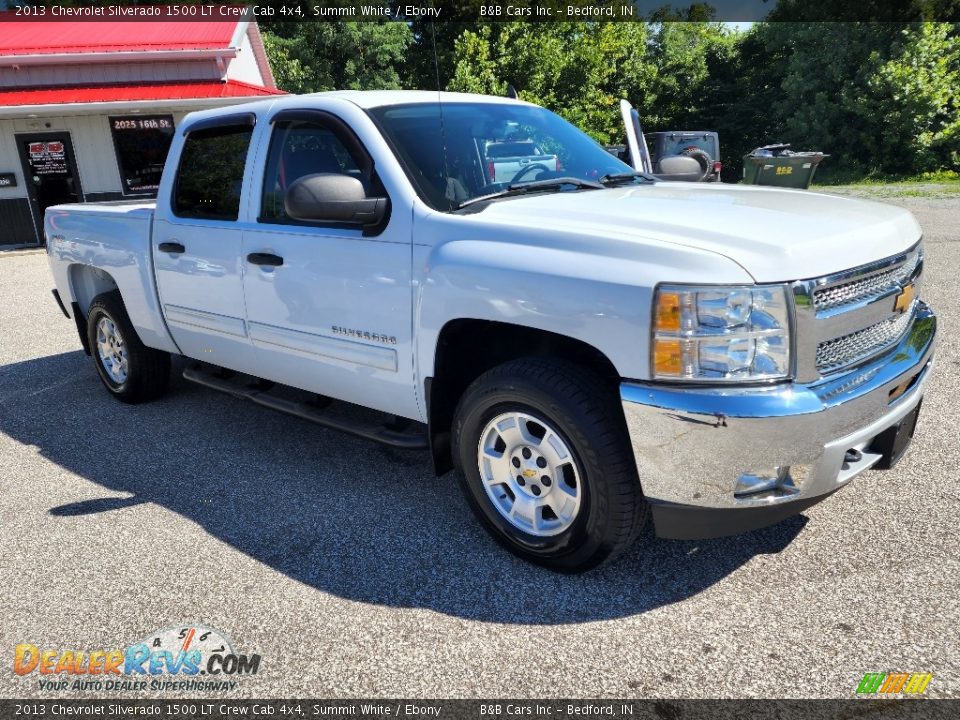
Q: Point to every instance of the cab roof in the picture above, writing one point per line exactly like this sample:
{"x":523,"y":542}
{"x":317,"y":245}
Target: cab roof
{"x":380,"y":98}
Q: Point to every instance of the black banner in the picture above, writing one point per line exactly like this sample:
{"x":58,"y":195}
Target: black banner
{"x":603,"y":709}
{"x":491,"y":11}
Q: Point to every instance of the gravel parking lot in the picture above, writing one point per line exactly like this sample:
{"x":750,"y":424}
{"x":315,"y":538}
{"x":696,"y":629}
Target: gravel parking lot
{"x":353,"y":571}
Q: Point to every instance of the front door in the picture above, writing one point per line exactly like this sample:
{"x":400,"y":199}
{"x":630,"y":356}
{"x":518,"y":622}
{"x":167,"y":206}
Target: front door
{"x":331,"y":314}
{"x":49,"y":171}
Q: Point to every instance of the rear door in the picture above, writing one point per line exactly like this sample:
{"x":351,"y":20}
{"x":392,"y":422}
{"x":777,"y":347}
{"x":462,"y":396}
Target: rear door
{"x":197,"y":243}
{"x":334,"y":316}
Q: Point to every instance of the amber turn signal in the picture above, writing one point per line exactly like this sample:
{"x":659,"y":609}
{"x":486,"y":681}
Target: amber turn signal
{"x":667,"y":316}
{"x":667,"y":356}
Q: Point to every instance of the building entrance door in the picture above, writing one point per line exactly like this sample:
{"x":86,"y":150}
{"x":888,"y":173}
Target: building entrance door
{"x":49,"y":171}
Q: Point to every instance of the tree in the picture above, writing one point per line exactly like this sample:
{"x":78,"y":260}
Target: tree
{"x":736,"y":97}
{"x":583,"y":70}
{"x":682,"y":52}
{"x":880,"y":97}
{"x":288,"y":72}
{"x":311,"y":57}
{"x":475,"y":70}
{"x":915,"y":92}
{"x":579,"y":70}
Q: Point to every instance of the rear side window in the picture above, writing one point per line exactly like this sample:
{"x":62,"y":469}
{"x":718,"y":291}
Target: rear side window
{"x":210,"y":175}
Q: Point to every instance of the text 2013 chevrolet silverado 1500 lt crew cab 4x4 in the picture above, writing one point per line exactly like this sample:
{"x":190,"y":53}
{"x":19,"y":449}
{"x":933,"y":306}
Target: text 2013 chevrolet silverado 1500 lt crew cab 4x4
{"x":586,"y":346}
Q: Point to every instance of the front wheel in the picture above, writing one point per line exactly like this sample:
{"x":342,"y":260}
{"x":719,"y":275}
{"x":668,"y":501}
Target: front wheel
{"x":543,"y":455}
{"x":131,"y":371}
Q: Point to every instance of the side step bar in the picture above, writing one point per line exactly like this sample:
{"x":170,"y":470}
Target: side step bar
{"x":384,"y":435}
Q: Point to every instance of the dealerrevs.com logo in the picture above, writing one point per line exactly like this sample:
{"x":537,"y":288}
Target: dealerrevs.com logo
{"x":184,"y":657}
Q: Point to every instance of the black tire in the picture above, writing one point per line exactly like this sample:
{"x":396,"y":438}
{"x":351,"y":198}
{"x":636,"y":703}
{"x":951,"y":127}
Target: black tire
{"x":703,"y":158}
{"x":147,"y":370}
{"x":585,"y":413}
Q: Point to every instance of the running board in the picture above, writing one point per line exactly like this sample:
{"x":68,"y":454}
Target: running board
{"x":386,"y":436}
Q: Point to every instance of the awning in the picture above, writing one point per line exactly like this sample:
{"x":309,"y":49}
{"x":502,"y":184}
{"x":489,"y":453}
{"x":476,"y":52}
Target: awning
{"x":133,"y":93}
{"x":52,"y":36}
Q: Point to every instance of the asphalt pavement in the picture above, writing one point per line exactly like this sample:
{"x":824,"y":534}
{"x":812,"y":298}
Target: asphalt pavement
{"x":353,"y":571}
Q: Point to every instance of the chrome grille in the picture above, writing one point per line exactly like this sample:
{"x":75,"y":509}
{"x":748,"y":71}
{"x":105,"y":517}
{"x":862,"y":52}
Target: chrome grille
{"x":842,"y":351}
{"x":866,"y":288}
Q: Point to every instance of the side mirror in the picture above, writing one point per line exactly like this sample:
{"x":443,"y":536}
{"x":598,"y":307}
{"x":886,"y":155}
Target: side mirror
{"x":332,"y":198}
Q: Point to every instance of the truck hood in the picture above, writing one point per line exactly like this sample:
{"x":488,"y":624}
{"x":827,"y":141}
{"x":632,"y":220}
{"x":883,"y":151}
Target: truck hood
{"x":775,"y":235}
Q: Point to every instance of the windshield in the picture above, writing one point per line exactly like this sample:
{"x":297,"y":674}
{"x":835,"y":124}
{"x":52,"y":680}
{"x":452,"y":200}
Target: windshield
{"x":489,"y":147}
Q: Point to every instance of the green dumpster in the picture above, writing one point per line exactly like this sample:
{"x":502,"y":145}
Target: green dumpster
{"x":778,"y":165}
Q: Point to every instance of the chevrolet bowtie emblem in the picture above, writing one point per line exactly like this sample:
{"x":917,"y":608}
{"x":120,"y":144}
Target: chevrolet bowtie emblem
{"x":904,"y":299}
{"x":529,"y":473}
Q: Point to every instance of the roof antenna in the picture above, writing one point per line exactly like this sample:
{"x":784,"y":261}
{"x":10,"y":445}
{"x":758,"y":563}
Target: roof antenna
{"x":512,"y":92}
{"x":443,"y":129}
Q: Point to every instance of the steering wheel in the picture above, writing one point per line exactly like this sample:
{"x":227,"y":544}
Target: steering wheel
{"x":528,"y":169}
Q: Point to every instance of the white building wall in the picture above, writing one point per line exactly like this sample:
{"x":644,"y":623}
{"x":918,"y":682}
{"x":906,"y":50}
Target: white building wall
{"x":244,"y":66}
{"x":10,"y":162}
{"x":92,"y":141}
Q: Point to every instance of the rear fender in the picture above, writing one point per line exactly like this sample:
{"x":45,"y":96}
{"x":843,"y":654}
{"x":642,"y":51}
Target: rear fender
{"x":86,"y":282}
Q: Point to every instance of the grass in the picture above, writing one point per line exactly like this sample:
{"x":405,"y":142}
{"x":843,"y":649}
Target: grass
{"x":831,"y":176}
{"x":932,"y":191}
{"x":936,"y":185}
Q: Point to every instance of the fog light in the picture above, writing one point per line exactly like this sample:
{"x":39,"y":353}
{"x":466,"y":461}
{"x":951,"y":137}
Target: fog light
{"x":751,"y":483}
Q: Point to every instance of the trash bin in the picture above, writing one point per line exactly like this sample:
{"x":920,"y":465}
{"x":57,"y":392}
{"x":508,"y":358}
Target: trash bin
{"x":780,"y":166}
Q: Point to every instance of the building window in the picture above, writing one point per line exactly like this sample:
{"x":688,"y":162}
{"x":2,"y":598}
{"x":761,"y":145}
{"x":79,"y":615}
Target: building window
{"x":142,"y":144}
{"x":210,"y":176}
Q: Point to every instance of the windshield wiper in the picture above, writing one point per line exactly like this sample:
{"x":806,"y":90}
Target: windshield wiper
{"x":534,"y":186}
{"x":617,"y":178}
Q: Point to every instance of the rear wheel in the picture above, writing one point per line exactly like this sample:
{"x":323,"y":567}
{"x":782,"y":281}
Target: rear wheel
{"x":544,"y":459}
{"x":132,"y":372}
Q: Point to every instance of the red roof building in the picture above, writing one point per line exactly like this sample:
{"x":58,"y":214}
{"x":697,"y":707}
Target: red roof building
{"x":88,"y":108}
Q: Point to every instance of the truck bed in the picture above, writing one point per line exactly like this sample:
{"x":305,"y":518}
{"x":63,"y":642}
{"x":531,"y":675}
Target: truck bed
{"x":93,"y":247}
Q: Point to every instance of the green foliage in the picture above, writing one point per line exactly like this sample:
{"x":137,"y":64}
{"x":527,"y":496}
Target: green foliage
{"x":915,"y":93}
{"x":582,"y":70}
{"x":682,"y":53}
{"x":880,"y":98}
{"x":475,"y":70}
{"x":940,"y":176}
{"x":288,"y":72}
{"x":311,"y":57}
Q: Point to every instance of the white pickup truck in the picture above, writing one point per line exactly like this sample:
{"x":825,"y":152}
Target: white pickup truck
{"x":587,"y":347}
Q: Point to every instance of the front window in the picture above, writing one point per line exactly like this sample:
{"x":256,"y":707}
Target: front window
{"x":481,"y":148}
{"x":298,"y":149}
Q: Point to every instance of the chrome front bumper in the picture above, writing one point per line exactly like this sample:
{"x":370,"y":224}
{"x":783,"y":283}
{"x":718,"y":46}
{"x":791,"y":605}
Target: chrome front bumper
{"x":693,"y":444}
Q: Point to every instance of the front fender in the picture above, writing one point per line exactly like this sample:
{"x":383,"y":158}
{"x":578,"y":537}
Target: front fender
{"x":559,"y":287}
{"x":531,"y":287}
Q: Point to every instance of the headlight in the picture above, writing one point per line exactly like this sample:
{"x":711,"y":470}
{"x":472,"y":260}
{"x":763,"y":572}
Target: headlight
{"x":720,"y":334}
